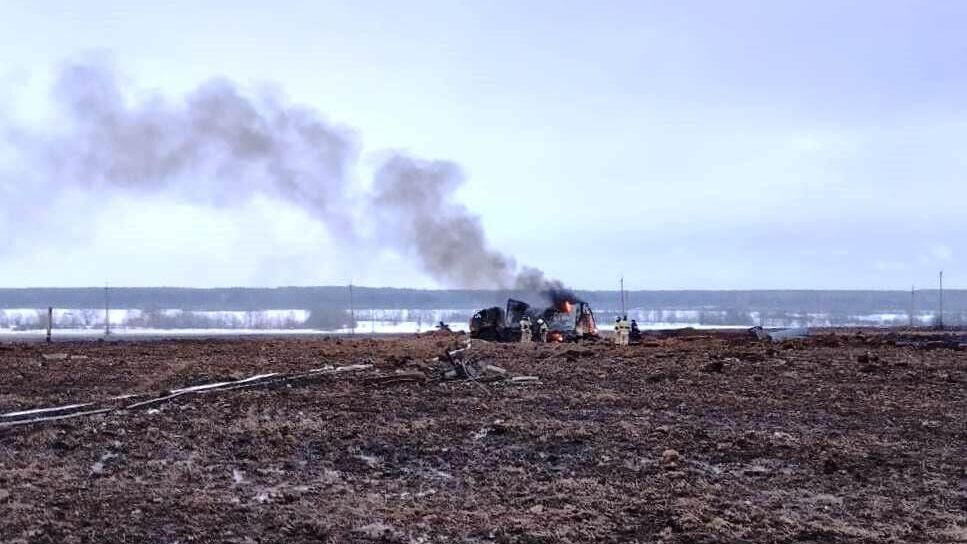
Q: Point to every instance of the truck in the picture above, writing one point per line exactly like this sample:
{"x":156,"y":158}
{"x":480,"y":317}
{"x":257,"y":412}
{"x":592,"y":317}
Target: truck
{"x":567,"y":321}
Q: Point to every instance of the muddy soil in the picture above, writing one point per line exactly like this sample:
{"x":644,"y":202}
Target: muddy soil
{"x":693,"y":438}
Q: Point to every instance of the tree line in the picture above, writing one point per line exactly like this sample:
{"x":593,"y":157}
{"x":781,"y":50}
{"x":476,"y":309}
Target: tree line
{"x":338,"y":297}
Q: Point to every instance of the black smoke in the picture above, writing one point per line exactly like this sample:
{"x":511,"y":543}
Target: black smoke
{"x":533,"y":280}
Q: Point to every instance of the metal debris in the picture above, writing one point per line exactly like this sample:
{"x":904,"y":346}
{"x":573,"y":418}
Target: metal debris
{"x":779,"y":335}
{"x":55,"y":356}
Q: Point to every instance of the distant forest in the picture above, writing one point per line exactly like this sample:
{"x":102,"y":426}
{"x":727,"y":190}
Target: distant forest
{"x":338,"y":297}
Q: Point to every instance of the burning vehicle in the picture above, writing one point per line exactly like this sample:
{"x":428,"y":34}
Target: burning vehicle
{"x":568,"y":320}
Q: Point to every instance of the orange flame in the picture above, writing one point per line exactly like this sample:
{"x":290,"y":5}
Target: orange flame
{"x":566,"y":307}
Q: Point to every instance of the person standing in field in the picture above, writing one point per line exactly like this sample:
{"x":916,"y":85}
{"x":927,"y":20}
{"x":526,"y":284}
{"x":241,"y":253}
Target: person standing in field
{"x":621,"y":331}
{"x":525,"y":330}
{"x":542,"y":330}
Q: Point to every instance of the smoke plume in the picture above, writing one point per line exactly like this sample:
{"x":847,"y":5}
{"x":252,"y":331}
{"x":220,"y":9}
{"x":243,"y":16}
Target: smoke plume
{"x":213,"y":146}
{"x":534,"y":280}
{"x":216,"y":146}
{"x":412,"y":201}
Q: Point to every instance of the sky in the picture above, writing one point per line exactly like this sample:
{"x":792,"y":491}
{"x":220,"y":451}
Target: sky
{"x":681,"y":145}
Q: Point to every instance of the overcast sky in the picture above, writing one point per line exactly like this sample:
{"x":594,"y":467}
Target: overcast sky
{"x":689,"y":144}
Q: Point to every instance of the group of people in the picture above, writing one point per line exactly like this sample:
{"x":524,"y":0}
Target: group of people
{"x":623,"y":332}
{"x":527,"y":332}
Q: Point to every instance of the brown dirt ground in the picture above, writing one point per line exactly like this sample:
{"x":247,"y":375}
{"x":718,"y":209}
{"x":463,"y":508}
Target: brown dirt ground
{"x":840,"y":438}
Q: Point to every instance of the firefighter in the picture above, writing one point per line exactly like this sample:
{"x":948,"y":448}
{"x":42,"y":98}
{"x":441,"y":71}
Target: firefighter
{"x":621,"y":330}
{"x":542,"y":330}
{"x":525,"y":330}
{"x":585,"y":322}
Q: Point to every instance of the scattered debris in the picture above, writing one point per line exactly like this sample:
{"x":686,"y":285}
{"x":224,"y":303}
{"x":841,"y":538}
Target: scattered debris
{"x":494,"y":370}
{"x":36,"y":411}
{"x":454,"y":364}
{"x":868,"y":357}
{"x":49,"y":419}
{"x":670,"y":458}
{"x":756,"y":470}
{"x":458,"y":364}
{"x":396,"y":379}
{"x":347,"y":368}
{"x":55,"y":356}
{"x":381,"y":532}
{"x":218,"y":385}
{"x":262,"y":497}
{"x":714,"y":366}
{"x":98,"y":466}
{"x":829,"y":465}
{"x":956,"y":344}
{"x":370,"y":460}
{"x":870,"y":362}
{"x":573,"y":355}
{"x":23,"y":417}
{"x":779,"y":335}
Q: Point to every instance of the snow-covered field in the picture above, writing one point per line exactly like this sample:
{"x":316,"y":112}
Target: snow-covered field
{"x":90,"y":322}
{"x":363,"y":327}
{"x":121,"y":317}
{"x":136,"y":332}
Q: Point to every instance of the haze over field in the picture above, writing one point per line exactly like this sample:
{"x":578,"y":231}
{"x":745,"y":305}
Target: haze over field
{"x":400,"y":310}
{"x":685,"y":145}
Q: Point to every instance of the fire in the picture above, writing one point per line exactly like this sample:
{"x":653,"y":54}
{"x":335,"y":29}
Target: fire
{"x":566,"y":306}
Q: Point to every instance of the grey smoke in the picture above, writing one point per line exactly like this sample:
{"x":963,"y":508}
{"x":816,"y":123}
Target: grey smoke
{"x":214,"y":146}
{"x":412,"y":203}
{"x":217,"y":146}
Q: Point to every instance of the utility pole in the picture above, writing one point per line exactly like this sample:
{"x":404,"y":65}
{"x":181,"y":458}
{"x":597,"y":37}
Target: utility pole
{"x":913,"y":303}
{"x":940,"y":319}
{"x":622,"y":297}
{"x":107,"y":311}
{"x":352,"y":311}
{"x":50,"y":321}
